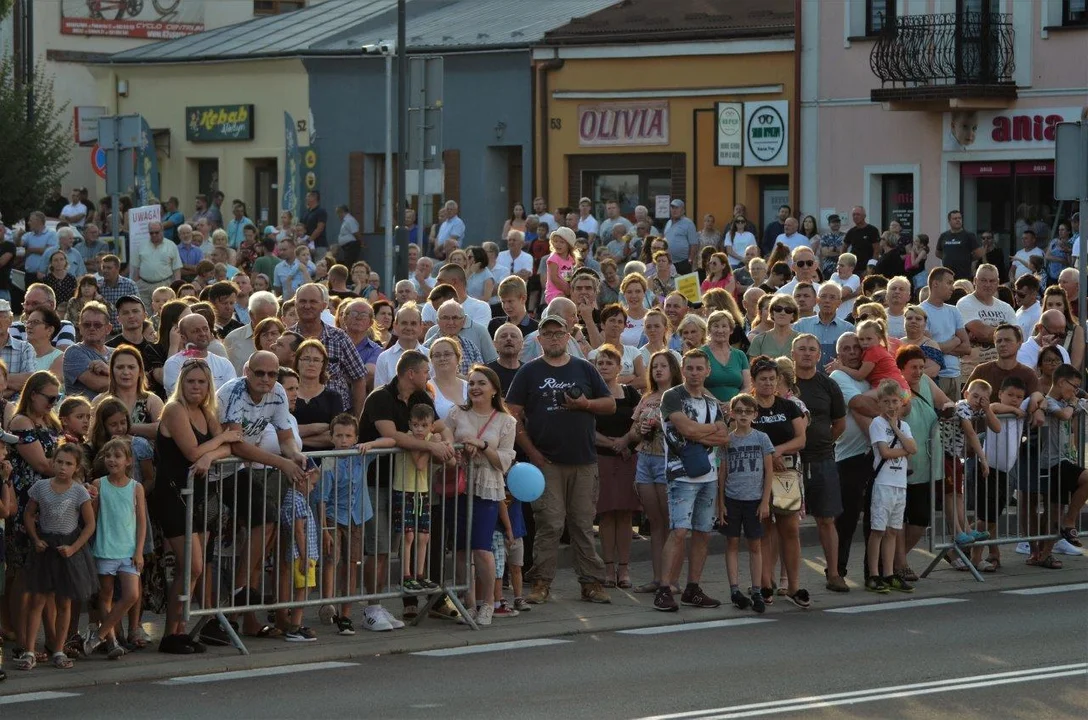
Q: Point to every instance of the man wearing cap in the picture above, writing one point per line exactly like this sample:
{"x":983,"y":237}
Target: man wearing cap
{"x":172,"y":220}
{"x":131,"y":313}
{"x":683,"y":237}
{"x":156,"y":263}
{"x":18,"y":356}
{"x":556,"y":399}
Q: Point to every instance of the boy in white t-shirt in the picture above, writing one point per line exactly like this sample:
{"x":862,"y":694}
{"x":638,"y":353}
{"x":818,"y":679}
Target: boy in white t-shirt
{"x":1002,"y":449}
{"x":892,"y":444}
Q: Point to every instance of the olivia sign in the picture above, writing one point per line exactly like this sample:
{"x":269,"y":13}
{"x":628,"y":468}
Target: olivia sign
{"x":614,"y":124}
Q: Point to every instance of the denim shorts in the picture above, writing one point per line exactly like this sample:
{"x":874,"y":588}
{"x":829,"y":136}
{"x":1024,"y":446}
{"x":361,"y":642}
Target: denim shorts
{"x":650,"y":469}
{"x":691,"y":505}
{"x":109,"y":566}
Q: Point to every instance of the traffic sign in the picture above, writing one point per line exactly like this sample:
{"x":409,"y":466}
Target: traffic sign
{"x":98,"y":160}
{"x":1070,"y":161}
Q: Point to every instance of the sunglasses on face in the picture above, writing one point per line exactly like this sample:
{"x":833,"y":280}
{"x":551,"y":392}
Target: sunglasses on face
{"x":264,"y":373}
{"x":782,"y":309}
{"x":50,"y":399}
{"x":805,"y":263}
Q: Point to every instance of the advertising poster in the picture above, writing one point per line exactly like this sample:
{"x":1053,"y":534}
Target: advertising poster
{"x":151,"y":19}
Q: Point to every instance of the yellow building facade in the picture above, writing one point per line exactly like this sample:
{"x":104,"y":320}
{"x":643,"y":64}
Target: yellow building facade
{"x":215,"y":130}
{"x":642,"y":123}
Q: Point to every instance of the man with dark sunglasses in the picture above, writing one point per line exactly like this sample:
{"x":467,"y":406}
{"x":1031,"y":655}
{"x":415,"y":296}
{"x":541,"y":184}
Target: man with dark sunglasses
{"x":87,"y":363}
{"x":1028,"y":308}
{"x":804,"y":267}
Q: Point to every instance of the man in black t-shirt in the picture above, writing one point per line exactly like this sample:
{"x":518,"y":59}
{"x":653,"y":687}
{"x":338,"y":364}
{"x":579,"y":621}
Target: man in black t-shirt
{"x":508,"y":344}
{"x":386,"y":414}
{"x":316,"y":220}
{"x":827,"y":421}
{"x":131,"y":314}
{"x":959,"y":249}
{"x":863,"y":240}
{"x":555,"y":398}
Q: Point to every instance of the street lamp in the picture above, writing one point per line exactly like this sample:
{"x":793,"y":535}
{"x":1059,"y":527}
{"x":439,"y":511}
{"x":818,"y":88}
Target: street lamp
{"x":387,"y":50}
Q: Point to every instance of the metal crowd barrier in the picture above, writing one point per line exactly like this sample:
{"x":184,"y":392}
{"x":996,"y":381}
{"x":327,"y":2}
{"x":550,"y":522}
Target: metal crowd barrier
{"x":248,"y":535}
{"x":1017,"y":502}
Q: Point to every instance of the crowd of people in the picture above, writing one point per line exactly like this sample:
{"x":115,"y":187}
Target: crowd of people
{"x":843,"y":375}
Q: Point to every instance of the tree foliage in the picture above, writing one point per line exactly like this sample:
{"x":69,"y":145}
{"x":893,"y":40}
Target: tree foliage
{"x":5,"y":8}
{"x":33,"y":154}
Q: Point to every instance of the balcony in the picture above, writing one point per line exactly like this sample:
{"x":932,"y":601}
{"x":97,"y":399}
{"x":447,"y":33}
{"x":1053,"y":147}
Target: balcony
{"x":945,"y":61}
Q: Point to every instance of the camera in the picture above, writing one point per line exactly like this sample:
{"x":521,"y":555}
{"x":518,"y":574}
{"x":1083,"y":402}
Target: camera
{"x":574,"y":393}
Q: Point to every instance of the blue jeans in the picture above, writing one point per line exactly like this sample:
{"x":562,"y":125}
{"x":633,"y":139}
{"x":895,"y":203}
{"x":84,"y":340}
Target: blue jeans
{"x":691,"y":505}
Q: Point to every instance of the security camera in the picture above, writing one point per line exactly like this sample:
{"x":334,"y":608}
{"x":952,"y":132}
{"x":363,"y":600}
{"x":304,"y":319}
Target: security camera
{"x":382,"y":47}
{"x":385,"y":47}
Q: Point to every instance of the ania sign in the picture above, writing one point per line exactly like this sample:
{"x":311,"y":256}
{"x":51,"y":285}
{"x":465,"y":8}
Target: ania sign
{"x":1016,"y":129}
{"x":219,"y":123}
{"x":766,"y":133}
{"x":623,"y":124}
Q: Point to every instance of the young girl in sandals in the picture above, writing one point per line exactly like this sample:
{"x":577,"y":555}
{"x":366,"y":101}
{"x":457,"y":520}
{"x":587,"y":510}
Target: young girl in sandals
{"x":118,"y":543}
{"x":60,"y":567}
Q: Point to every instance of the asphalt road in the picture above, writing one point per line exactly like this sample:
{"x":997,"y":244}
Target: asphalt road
{"x":989,"y":655}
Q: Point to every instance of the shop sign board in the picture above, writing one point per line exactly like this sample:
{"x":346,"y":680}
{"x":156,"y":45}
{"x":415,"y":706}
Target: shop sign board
{"x":729,"y":134}
{"x":618,"y":124}
{"x":766,"y":133}
{"x":1012,"y":129}
{"x":152,"y":20}
{"x":219,"y":123}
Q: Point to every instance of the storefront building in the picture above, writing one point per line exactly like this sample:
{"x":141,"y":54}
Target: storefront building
{"x":639,"y":108}
{"x":916,"y":108}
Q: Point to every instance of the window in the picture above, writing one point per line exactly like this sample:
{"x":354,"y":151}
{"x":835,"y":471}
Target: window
{"x":877,"y":15}
{"x":276,"y":7}
{"x":1074,"y":12}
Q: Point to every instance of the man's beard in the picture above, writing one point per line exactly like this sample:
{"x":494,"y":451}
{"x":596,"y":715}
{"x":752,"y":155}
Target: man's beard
{"x":556,"y":352}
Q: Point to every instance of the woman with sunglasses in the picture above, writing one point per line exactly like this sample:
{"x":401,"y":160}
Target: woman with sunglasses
{"x":783,"y":422}
{"x":1055,"y":299}
{"x":778,"y":339}
{"x":36,"y":425}
{"x":737,"y":240}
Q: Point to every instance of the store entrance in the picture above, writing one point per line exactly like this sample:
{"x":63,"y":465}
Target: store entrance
{"x":629,"y":189}
{"x":1006,"y":198}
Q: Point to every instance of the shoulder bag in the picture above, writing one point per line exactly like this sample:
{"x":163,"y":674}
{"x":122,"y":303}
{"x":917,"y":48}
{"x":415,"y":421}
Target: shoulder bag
{"x":693,"y":455}
{"x":453,"y":479}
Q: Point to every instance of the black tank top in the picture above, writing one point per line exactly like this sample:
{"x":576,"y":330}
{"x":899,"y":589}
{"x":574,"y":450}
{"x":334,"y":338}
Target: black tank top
{"x":173,"y":469}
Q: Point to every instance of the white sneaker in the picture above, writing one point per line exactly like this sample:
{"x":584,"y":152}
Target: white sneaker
{"x":374,"y":619}
{"x":471,"y":612}
{"x":393,"y":622}
{"x":484,"y":614}
{"x":1064,"y":547}
{"x":1023,"y":548}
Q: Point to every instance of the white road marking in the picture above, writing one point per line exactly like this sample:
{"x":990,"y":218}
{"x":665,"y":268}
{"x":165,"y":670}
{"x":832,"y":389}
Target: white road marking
{"x":257,"y":672}
{"x":1047,"y":590}
{"x":898,"y":605}
{"x":491,"y":647}
{"x":34,"y":697}
{"x":708,"y":625}
{"x":885,"y":693}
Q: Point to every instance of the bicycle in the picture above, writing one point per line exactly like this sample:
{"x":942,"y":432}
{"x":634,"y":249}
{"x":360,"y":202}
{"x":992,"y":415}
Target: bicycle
{"x":132,"y":7}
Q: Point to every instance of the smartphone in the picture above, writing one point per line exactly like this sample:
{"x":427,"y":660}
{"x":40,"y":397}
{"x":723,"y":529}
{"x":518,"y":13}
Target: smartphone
{"x":311,"y":465}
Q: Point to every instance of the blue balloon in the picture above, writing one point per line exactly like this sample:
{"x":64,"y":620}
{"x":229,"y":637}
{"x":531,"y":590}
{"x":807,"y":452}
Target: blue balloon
{"x":525,"y":481}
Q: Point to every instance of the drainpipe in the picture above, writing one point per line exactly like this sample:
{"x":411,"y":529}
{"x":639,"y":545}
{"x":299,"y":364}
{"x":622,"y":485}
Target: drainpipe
{"x":795,"y":124}
{"x":542,"y":70}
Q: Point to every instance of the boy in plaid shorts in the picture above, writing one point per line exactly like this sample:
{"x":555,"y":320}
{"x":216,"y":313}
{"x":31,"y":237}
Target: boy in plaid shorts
{"x":300,"y":560}
{"x":411,"y":506}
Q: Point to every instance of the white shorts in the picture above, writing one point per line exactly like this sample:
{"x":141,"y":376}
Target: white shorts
{"x":887,"y":507}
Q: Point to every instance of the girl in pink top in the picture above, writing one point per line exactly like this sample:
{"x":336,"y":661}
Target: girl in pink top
{"x":876,"y":362}
{"x":560,"y":264}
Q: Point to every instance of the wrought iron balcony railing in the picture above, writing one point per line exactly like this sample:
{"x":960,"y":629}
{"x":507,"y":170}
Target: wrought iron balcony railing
{"x":966,"y":49}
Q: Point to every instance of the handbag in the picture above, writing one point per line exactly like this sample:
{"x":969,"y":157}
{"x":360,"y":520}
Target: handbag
{"x":454,"y":478}
{"x":693,"y":455}
{"x":787,"y":494}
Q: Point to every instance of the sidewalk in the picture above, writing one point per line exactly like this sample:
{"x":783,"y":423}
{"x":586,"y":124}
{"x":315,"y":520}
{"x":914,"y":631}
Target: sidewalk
{"x":565,"y":614}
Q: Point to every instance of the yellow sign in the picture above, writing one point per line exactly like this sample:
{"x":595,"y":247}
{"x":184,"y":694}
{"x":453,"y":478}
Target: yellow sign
{"x":688,"y":286}
{"x":311,"y":159}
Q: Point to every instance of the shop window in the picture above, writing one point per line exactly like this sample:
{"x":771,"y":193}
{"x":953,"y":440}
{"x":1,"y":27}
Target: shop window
{"x":629,"y":189}
{"x":1075,"y":13}
{"x":1008,"y":197}
{"x":877,"y":15}
{"x":207,"y":176}
{"x":897,"y":195}
{"x":277,"y":7}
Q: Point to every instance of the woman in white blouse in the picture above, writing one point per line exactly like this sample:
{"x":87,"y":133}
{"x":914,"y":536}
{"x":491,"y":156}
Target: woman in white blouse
{"x":450,"y":389}
{"x":486,"y":432}
{"x":738,"y":239}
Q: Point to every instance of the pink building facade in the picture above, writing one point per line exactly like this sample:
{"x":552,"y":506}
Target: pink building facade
{"x":952,"y":106}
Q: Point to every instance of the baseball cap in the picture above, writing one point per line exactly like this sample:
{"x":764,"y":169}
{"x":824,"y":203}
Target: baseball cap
{"x":201,"y":196}
{"x":5,"y":306}
{"x":129,"y":299}
{"x":269,"y":230}
{"x":557,"y":319}
{"x":566,"y":233}
{"x":585,"y":200}
{"x":834,"y":218}
{"x":677,"y":202}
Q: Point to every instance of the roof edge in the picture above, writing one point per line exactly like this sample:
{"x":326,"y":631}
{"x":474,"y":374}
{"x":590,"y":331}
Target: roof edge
{"x":771,"y":32}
